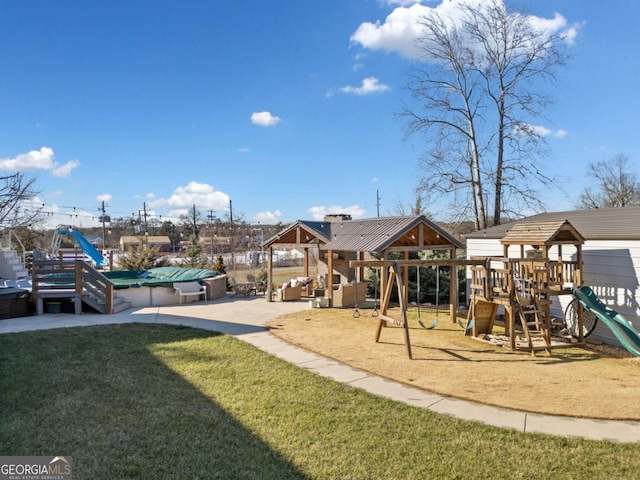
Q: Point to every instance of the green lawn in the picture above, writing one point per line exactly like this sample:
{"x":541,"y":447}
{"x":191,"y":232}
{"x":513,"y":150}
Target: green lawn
{"x":158,"y":401}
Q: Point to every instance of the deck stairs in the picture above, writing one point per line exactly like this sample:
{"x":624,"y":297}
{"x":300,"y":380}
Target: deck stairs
{"x":11,"y":264}
{"x":534,"y":325}
{"x":119,"y":304}
{"x":78,"y":281}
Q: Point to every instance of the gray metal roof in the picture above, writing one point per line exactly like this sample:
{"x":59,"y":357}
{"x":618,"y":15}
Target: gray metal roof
{"x":593,"y":224}
{"x":319,"y":230}
{"x":540,"y":233}
{"x":378,"y":234}
{"x":367,"y":235}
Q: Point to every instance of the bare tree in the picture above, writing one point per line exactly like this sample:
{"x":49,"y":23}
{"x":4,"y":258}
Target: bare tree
{"x":417,"y":208}
{"x":479,"y":87}
{"x":16,"y":194}
{"x":615,"y":186}
{"x":448,"y":91}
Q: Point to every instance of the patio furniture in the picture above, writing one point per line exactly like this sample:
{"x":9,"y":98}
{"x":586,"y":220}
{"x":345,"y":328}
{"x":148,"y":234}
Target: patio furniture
{"x":244,"y":289}
{"x":190,"y":289}
{"x":344,"y":294}
{"x":260,"y":286}
{"x":289,"y":292}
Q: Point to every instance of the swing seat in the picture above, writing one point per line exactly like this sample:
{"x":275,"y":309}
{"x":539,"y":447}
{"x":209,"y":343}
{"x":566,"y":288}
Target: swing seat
{"x":433,"y":325}
{"x":469,"y":326}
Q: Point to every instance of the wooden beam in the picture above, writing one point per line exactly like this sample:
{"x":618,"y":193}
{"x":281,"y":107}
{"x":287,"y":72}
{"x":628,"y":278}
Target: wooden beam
{"x":328,"y":291}
{"x":270,"y":274}
{"x":418,"y":263}
{"x":453,"y":289}
{"x":410,"y":248}
{"x":384,"y":306}
{"x":405,"y":278}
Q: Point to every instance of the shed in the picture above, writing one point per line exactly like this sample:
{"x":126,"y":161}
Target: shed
{"x":610,"y":255}
{"x":161,"y":242}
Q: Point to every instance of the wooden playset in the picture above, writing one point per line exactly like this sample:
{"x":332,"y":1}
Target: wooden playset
{"x":521,"y":285}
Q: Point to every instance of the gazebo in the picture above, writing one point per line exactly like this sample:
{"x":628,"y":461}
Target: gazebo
{"x":340,"y":240}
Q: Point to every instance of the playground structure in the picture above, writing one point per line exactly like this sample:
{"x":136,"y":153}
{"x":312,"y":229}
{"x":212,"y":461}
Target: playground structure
{"x":98,"y":260}
{"x":547,"y":263}
{"x":522,"y":285}
{"x":395,"y":272}
{"x":616,"y":322}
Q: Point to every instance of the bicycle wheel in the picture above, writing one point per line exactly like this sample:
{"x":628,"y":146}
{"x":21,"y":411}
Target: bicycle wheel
{"x":589,"y":320}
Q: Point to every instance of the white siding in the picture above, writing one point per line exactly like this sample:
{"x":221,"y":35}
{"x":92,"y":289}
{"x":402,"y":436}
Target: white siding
{"x":611,"y":268}
{"x":484,"y":248}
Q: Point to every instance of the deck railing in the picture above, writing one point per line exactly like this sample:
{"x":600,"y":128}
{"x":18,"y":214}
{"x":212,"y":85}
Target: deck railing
{"x":73,"y":275}
{"x":504,"y":277}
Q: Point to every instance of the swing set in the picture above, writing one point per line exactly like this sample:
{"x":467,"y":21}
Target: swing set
{"x":395,"y":275}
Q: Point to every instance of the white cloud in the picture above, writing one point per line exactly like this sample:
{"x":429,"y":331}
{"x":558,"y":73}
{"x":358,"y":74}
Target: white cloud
{"x":146,"y":196}
{"x":318,"y":213}
{"x":539,"y":130}
{"x":42,"y":159}
{"x":369,"y":85}
{"x":400,"y":30}
{"x":556,"y":25}
{"x":243,"y":150}
{"x":264,"y":119}
{"x":105,"y":197}
{"x":65,"y":169}
{"x":402,"y":3}
{"x":396,"y":34}
{"x":202,"y":195}
{"x":268,"y":217}
{"x":375,"y":179}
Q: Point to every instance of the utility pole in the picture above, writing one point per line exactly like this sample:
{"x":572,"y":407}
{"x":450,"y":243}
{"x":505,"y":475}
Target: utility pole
{"x":233,"y":255}
{"x":211,"y":217}
{"x":104,"y":219}
{"x":144,"y":215}
{"x":378,"y":201}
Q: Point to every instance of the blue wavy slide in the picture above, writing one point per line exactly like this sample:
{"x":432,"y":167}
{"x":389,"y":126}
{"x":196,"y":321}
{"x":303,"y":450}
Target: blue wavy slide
{"x":618,"y":324}
{"x":86,"y":247}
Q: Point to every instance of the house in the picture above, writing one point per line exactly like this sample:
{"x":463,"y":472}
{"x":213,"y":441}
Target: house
{"x":161,"y":242}
{"x":610,"y":253}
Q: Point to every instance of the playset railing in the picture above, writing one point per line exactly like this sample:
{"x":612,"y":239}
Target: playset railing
{"x":503,"y":277}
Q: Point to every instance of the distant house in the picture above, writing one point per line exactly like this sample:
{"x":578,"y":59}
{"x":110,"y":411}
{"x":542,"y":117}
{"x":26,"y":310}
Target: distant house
{"x":611,"y":257}
{"x":161,"y":242}
{"x":95,"y":241}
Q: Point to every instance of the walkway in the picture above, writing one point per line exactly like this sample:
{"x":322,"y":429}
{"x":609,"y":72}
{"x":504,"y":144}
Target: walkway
{"x":245,"y":319}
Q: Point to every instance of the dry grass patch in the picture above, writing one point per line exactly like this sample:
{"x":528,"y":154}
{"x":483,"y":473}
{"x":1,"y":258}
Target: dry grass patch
{"x":581,"y":382}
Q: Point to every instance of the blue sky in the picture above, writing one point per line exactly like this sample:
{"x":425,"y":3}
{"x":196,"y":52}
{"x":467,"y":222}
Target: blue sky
{"x":288,"y":108}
